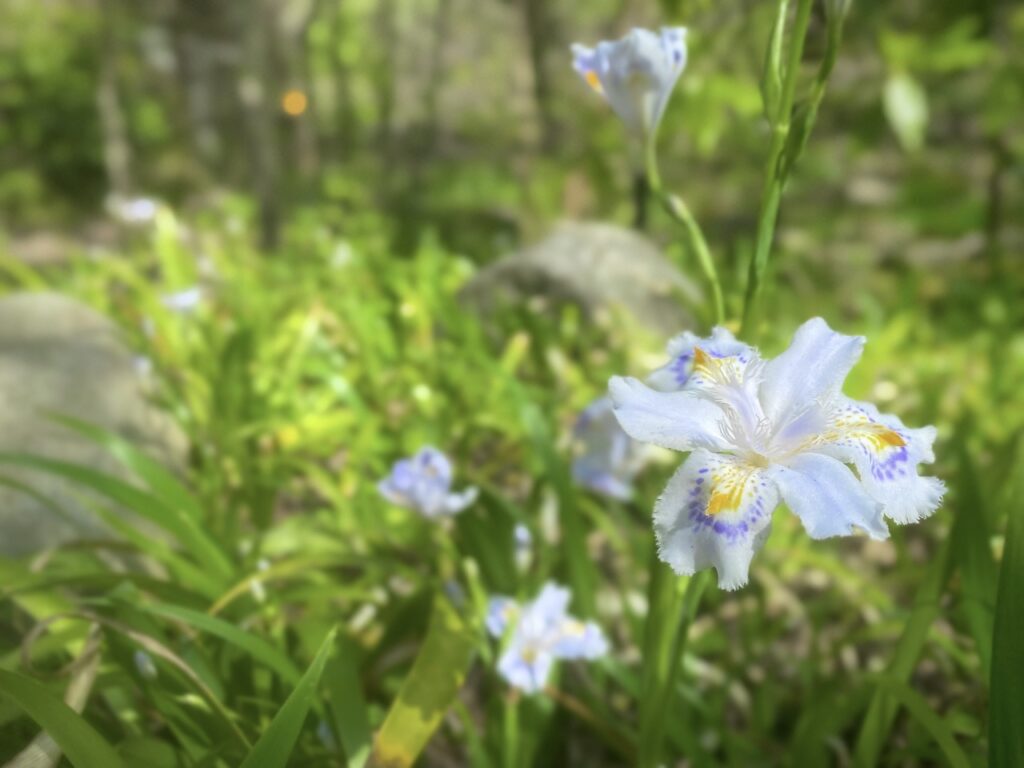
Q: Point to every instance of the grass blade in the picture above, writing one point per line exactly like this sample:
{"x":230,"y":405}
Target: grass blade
{"x":428,"y":691}
{"x":1006,"y":727}
{"x":883,"y":708}
{"x":176,"y":522}
{"x":978,"y":573}
{"x":162,"y":482}
{"x":253,"y":645}
{"x":921,"y":710}
{"x":80,"y":742}
{"x":347,"y":703}
{"x":276,"y":744}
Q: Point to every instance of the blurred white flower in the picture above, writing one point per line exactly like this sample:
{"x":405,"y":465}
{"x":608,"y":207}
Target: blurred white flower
{"x":635,"y":74}
{"x":144,"y":664}
{"x":143,"y":366}
{"x":135,"y":210}
{"x":539,"y":633}
{"x":523,"y":540}
{"x":183,"y":302}
{"x":423,"y":483}
{"x":607,"y":459}
{"x":256,"y":587}
{"x":763,"y":431}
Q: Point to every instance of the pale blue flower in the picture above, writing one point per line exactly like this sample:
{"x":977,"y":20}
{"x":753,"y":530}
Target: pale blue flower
{"x":144,"y":664}
{"x":676,"y":372}
{"x":183,"y":302}
{"x":423,"y":483}
{"x":134,"y":210}
{"x":539,"y":633}
{"x":607,"y":459}
{"x":761,"y":432}
{"x":523,"y":541}
{"x":635,"y":74}
{"x":326,"y":735}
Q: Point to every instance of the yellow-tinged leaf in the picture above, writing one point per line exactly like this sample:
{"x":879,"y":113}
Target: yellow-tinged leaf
{"x":428,"y":691}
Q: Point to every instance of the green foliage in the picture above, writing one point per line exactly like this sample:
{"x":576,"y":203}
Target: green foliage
{"x":308,"y":369}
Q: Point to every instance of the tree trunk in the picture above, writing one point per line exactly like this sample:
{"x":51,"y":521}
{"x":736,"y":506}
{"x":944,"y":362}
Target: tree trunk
{"x":117,"y":152}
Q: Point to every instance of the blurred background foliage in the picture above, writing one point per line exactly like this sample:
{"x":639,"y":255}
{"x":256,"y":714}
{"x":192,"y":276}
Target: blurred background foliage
{"x":331,"y":172}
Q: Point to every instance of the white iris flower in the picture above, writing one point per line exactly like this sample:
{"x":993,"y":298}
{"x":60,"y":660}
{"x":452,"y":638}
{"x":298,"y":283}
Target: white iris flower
{"x":539,"y":633}
{"x":635,"y":74}
{"x":607,"y":459}
{"x":423,"y":484}
{"x":764,"y":431}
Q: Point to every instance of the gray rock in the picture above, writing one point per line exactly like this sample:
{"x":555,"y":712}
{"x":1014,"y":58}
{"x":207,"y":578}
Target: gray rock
{"x":59,"y":356}
{"x":600,"y":267}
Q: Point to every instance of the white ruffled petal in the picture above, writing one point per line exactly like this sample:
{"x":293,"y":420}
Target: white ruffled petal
{"x":887,"y":455}
{"x":827,"y":497}
{"x":589,"y":65}
{"x":681,"y":421}
{"x":500,"y":611}
{"x":715,"y":512}
{"x":814,"y":367}
{"x":579,"y":640}
{"x":456,"y":502}
{"x":525,"y":668}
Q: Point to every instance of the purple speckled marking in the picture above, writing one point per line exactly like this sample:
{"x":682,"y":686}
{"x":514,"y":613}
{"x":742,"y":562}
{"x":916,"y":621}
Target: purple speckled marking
{"x":732,"y":532}
{"x":893,"y":466}
{"x":680,"y":369}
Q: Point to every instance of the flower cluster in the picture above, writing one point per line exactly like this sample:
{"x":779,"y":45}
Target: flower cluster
{"x":764,"y":431}
{"x":423,"y":484}
{"x":537,"y":634}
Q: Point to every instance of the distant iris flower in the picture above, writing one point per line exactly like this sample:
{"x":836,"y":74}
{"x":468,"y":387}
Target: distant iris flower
{"x":607,"y":458}
{"x":765,"y":431}
{"x":635,"y":74}
{"x":135,"y":210}
{"x":523,"y":549}
{"x":539,"y":633}
{"x":423,"y":483}
{"x":144,"y":664}
{"x":183,"y":302}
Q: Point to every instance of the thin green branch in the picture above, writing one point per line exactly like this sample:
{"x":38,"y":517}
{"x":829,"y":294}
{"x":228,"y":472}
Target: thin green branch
{"x":678,"y":210}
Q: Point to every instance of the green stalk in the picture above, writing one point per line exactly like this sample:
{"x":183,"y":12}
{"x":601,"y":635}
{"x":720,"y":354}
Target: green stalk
{"x":672,"y":605}
{"x":678,"y":210}
{"x":511,"y":734}
{"x":775,"y":171}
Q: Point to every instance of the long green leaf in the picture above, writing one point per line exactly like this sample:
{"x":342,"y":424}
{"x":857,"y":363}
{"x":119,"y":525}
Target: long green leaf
{"x":253,"y":645}
{"x":428,"y":691}
{"x":347,"y":703}
{"x":1006,"y":728}
{"x":979,"y":575}
{"x":276,"y":744}
{"x":921,"y":710}
{"x":883,"y":708}
{"x":142,"y":503}
{"x":79,"y":741}
{"x":161,"y":481}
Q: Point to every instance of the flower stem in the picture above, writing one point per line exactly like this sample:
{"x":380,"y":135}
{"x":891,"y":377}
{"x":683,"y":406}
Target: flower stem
{"x":679,"y":211}
{"x":672,"y":605}
{"x":511,"y":734}
{"x":776,"y":170}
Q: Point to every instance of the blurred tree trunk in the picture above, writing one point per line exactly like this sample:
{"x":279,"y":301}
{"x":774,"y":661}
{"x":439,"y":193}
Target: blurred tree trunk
{"x":345,"y":115}
{"x":258,"y":94}
{"x":541,"y":34}
{"x":195,"y":78}
{"x":387,"y":33}
{"x":116,"y":146}
{"x":297,"y":16}
{"x":442,"y":33}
